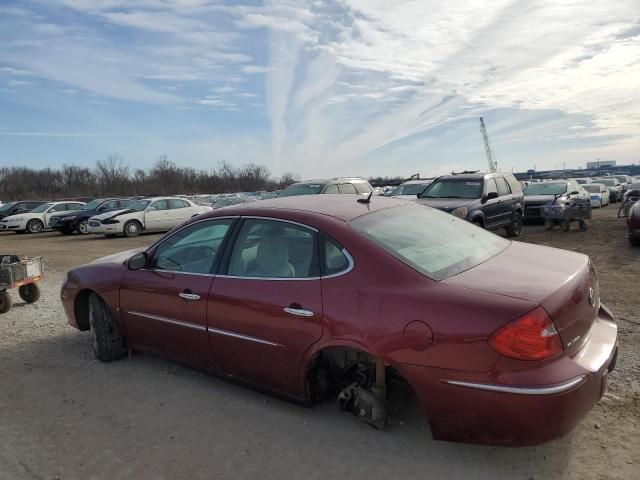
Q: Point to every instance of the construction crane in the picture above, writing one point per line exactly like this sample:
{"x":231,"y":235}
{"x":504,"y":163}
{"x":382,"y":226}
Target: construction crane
{"x":493,"y":165}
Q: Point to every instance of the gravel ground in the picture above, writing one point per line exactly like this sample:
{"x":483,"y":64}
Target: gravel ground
{"x":65,"y":415}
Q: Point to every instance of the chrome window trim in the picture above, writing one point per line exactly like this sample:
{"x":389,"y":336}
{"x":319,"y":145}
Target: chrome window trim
{"x":178,"y":273}
{"x":227,"y":333}
{"x":256,"y":217}
{"x":172,"y":321}
{"x":521,"y":390}
{"x":237,"y":277}
{"x":345,"y":271}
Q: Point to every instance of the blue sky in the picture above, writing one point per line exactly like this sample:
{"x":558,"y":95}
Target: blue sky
{"x":318,"y":88}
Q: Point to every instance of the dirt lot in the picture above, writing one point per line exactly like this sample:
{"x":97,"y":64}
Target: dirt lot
{"x":65,"y":415}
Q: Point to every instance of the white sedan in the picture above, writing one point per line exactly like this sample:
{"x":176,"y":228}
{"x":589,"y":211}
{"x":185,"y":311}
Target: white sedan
{"x":37,"y":219}
{"x":158,"y":214}
{"x":598,"y":193}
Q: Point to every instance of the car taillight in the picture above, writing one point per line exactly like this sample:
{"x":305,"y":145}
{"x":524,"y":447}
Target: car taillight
{"x":531,"y":337}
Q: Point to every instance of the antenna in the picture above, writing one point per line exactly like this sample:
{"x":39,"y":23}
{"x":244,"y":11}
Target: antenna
{"x":366,"y":200}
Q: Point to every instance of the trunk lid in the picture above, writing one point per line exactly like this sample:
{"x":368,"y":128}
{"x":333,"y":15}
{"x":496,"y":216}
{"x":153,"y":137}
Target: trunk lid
{"x":564,"y":283}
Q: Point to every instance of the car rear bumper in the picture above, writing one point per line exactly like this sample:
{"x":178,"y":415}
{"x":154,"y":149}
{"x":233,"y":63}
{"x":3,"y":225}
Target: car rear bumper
{"x":518,"y":408}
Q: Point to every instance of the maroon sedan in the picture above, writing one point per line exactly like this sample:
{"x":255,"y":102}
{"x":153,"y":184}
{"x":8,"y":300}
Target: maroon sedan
{"x":502,"y":342}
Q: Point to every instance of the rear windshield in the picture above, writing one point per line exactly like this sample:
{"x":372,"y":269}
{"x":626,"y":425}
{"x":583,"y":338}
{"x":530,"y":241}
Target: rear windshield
{"x":409,"y":189}
{"x":546,"y":189}
{"x":592,"y":188}
{"x":301,"y":189}
{"x":606,"y":181}
{"x":434,"y":243}
{"x":454,"y":188}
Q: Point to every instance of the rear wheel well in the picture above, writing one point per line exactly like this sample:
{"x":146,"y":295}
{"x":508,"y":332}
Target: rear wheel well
{"x":81,"y":309}
{"x":333,"y":370}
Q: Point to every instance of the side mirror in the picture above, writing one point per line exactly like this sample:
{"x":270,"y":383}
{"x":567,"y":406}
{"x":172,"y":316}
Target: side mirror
{"x":492,"y":195}
{"x":138,"y":261}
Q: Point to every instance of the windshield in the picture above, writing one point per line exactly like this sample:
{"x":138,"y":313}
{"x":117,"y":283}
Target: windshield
{"x":224,"y":202}
{"x":42,"y":208}
{"x":7,"y":207}
{"x":302,"y":189}
{"x":409,"y":189}
{"x":634,"y":186}
{"x":592,"y":188}
{"x":432,"y":242}
{"x":92,"y":205}
{"x":609,"y":182}
{"x":454,"y":188}
{"x":139,"y":205}
{"x":546,"y":189}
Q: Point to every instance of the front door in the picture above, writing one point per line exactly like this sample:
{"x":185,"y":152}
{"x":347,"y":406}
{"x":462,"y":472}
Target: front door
{"x":157,"y":216}
{"x":492,"y":208}
{"x":164,"y":305}
{"x":266,"y":311}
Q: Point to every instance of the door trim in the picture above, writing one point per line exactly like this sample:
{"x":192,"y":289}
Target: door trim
{"x":227,"y":333}
{"x":172,"y":321}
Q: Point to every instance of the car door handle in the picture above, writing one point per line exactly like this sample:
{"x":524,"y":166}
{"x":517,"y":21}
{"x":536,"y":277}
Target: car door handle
{"x":189,"y":295}
{"x":301,"y":312}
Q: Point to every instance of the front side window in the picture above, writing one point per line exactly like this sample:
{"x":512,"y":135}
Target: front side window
{"x":44,"y":207}
{"x":158,"y":205}
{"x":503,"y":188}
{"x":110,"y":205}
{"x":432,"y":242}
{"x":273,"y":249}
{"x":192,"y":249}
{"x":362,"y":187}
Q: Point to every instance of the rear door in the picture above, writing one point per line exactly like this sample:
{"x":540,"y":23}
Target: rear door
{"x":180,"y":211}
{"x":164,"y":305}
{"x":266,"y":311}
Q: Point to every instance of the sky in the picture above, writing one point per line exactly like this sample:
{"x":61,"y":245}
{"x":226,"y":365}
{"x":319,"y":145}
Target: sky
{"x":320,"y":87}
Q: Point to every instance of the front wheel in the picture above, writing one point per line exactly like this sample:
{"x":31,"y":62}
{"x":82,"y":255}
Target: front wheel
{"x":83,"y":227}
{"x":30,"y":293}
{"x":565,"y":225}
{"x":132,"y":228}
{"x":5,"y":301}
{"x":583,"y":225}
{"x":515,"y":229}
{"x":107,"y":340}
{"x":35,"y":226}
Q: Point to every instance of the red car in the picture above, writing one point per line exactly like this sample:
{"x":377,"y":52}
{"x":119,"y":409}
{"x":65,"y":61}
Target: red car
{"x":502,"y":342}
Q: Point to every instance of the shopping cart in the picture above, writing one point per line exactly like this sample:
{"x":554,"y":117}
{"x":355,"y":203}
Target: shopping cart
{"x":20,"y":273}
{"x":564,"y":213}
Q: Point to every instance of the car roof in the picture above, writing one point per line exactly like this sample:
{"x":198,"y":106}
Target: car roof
{"x":341,"y":207}
{"x":329,"y":180}
{"x":417,"y":182}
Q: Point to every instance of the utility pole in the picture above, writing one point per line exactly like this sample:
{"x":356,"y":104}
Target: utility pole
{"x":493,"y":165}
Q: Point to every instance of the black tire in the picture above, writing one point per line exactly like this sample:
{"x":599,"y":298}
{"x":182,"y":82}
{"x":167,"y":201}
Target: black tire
{"x":5,"y":301}
{"x":565,"y":225}
{"x":30,"y":293}
{"x":132,"y":228}
{"x":66,"y":231}
{"x":478,"y":223}
{"x":515,"y":229}
{"x":83,"y":227}
{"x":583,"y":225}
{"x":635,"y":242}
{"x":35,"y":226}
{"x":106,"y":338}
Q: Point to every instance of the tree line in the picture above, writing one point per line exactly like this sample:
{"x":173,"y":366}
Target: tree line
{"x":112,"y":176}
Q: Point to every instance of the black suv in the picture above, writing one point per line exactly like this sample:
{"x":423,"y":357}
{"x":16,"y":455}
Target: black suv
{"x":77,"y":221}
{"x":342,"y":185}
{"x":15,"y":208}
{"x":490,"y":200}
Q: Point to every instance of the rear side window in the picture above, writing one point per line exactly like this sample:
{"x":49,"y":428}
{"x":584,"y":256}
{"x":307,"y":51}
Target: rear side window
{"x":332,"y":189}
{"x":362,"y":187}
{"x":110,"y":205}
{"x":503,"y":188}
{"x":334,"y":259}
{"x":159,"y":205}
{"x":176,"y":203}
{"x":347,"y":188}
{"x":124,"y":203}
{"x":513,"y":183}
